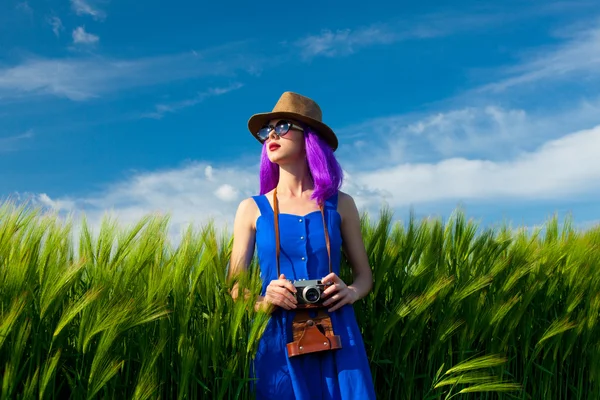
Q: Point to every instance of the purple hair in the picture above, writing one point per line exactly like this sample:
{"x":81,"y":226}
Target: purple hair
{"x":323,"y":167}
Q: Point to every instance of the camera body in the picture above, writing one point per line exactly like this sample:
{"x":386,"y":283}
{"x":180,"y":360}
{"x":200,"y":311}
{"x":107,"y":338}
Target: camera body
{"x":309,"y":293}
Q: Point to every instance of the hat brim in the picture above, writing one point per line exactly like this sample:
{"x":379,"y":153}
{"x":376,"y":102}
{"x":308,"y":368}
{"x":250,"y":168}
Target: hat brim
{"x":257,"y":121}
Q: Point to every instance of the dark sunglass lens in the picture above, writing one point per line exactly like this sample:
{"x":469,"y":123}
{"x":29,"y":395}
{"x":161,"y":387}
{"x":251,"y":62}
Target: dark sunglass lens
{"x":263,"y":133}
{"x":282,"y":127}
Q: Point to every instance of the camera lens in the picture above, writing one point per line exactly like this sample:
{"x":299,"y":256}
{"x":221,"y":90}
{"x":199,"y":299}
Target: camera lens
{"x":312,"y":295}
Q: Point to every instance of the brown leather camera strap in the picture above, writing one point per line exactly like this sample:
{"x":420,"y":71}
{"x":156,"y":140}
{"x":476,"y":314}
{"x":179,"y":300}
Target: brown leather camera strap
{"x":277,"y":246}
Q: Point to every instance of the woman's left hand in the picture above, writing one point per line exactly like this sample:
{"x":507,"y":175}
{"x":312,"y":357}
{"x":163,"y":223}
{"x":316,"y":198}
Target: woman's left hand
{"x":338,"y":292}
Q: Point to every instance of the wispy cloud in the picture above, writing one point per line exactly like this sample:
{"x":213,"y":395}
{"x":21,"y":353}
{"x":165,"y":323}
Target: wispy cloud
{"x":162,"y":109}
{"x":343,"y":42}
{"x":81,"y":79}
{"x":82,"y":37}
{"x":57,"y":25}
{"x":11,"y":143}
{"x":490,"y":131}
{"x":87,"y":7}
{"x":24,"y":6}
{"x":578,"y":57}
{"x":192,"y":194}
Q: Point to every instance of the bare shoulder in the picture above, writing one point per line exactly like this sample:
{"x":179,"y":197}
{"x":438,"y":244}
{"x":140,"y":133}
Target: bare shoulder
{"x":344,"y":199}
{"x":346,"y":206}
{"x":248,"y":204}
{"x":246,"y":213}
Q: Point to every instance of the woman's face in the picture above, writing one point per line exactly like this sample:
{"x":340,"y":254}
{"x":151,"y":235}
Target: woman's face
{"x":287,"y":148}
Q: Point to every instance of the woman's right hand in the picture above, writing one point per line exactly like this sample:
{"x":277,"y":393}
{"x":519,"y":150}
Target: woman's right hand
{"x":280,"y":292}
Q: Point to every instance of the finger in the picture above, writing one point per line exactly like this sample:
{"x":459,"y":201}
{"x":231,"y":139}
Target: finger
{"x":331,"y":289}
{"x":279,"y":281}
{"x":285,"y":293}
{"x":286,"y":302}
{"x":288,"y":285}
{"x":338,"y":305}
{"x":334,"y":298}
{"x":283,"y":282}
{"x":280,"y":301}
{"x":331,"y":278}
{"x":289,"y":304}
{"x":336,"y":287}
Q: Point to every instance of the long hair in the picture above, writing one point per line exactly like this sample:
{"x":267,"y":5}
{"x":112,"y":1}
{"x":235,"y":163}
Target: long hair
{"x":324,"y":169}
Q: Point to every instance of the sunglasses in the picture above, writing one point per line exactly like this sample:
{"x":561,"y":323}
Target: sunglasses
{"x":281,"y":128}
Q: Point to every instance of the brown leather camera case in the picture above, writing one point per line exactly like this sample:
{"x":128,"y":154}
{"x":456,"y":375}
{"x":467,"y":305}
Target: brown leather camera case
{"x":312,"y":334}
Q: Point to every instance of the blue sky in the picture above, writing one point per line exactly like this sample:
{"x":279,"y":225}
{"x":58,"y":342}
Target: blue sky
{"x":137,"y":108}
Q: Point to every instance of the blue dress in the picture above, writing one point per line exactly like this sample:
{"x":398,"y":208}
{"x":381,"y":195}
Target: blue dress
{"x":336,"y":374}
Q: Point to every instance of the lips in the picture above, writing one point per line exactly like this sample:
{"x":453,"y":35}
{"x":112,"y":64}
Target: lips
{"x":274,"y":146}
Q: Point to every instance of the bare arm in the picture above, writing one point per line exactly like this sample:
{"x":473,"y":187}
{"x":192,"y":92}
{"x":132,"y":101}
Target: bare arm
{"x":354,"y":246}
{"x":244,"y":235}
{"x":244,"y":239}
{"x":338,"y":292}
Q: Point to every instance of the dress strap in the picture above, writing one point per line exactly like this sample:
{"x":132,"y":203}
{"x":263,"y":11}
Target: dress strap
{"x":263,"y":204}
{"x":332,"y":201}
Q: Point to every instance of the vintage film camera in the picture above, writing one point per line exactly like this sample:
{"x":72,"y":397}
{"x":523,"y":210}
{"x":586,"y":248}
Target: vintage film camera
{"x":312,"y":328}
{"x":309,"y":293}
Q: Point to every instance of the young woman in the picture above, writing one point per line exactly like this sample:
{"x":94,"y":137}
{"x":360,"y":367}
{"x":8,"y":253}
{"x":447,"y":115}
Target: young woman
{"x":299,"y":174}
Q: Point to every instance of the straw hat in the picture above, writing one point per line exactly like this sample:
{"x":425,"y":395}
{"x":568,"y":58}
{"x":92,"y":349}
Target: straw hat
{"x":296,"y":107}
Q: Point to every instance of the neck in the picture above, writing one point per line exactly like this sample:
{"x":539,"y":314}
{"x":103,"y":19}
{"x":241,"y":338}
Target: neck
{"x":294,"y":179}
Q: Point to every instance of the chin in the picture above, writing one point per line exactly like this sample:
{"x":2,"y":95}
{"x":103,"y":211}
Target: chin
{"x":278,"y":158}
{"x":282,"y":157}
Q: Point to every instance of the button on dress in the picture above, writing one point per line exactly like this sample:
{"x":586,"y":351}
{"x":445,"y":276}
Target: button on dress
{"x":337,"y":374}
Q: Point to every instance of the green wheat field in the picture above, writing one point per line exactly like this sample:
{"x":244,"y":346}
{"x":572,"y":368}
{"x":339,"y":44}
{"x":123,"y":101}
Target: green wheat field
{"x":457,"y":311}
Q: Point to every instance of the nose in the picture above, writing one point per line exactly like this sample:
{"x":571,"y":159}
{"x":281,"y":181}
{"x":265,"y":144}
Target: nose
{"x":272,"y":134}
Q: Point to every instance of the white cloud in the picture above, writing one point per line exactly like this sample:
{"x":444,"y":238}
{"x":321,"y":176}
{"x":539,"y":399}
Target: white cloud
{"x":162,"y":109}
{"x":578,"y":58}
{"x":84,"y":7}
{"x":559,"y":169}
{"x":11,"y":143}
{"x":494,"y":132}
{"x":227,"y":193}
{"x":57,"y":25}
{"x":24,"y":7}
{"x":81,"y":79}
{"x":208,"y":173}
{"x":193,"y":194}
{"x":343,"y":42}
{"x":83,"y":37}
{"x":45,"y":200}
{"x":491,"y":132}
